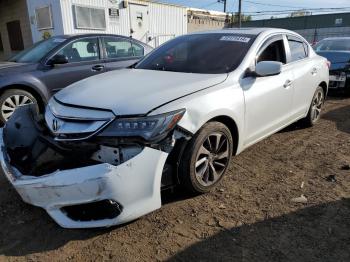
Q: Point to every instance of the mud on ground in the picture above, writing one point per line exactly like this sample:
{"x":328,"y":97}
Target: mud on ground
{"x":250,"y":217}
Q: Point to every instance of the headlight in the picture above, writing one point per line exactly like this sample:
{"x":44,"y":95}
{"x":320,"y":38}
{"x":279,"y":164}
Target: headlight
{"x":149,"y":127}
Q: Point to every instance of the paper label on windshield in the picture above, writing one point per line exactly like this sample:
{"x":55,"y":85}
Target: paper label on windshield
{"x":233,"y":38}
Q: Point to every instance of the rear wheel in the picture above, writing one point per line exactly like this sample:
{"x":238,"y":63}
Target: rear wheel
{"x":206,"y":158}
{"x":11,"y":99}
{"x":314,"y":113}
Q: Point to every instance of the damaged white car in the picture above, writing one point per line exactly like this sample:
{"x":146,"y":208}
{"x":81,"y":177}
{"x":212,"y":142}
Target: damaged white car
{"x":106,"y":146}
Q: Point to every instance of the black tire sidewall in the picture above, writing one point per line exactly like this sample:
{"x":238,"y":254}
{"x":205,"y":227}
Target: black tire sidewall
{"x":308,"y":120}
{"x":187,"y":165}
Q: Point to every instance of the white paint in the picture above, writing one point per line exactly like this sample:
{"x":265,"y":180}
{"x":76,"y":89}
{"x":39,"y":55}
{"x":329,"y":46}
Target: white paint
{"x":146,"y":89}
{"x":260,"y":106}
{"x":133,"y":184}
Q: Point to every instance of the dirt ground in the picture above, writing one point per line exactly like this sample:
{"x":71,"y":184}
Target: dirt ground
{"x":250,"y":217}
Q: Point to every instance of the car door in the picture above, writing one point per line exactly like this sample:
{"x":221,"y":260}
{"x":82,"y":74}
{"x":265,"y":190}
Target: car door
{"x":84,"y":60}
{"x":268,"y":100}
{"x":304,"y":73}
{"x":121,"y":52}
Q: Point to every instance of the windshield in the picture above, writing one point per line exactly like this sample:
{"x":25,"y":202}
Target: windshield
{"x":36,"y":52}
{"x":213,"y":53}
{"x":333,"y":45}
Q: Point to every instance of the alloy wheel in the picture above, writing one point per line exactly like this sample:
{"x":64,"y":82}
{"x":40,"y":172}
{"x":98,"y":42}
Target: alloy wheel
{"x":317,"y":106}
{"x":11,"y":103}
{"x":212,"y":159}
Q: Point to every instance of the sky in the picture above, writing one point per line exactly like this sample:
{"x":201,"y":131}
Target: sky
{"x":274,"y":7}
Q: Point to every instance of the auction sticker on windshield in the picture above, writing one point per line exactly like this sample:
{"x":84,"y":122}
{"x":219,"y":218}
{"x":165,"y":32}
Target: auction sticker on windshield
{"x":235,"y":38}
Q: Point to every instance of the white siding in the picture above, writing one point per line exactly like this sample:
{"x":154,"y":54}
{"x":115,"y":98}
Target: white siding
{"x":120,"y":27}
{"x":165,"y":21}
{"x":56,"y":17}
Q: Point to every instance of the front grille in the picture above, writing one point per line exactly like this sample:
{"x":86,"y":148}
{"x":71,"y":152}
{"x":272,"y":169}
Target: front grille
{"x":68,"y":129}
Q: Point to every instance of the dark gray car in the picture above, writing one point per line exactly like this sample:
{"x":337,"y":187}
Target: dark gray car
{"x":35,"y":74}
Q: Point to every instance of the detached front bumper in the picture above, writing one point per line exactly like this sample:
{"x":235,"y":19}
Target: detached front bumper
{"x":134,"y":185}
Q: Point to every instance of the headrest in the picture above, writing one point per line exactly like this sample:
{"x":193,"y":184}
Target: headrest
{"x":91,"y":48}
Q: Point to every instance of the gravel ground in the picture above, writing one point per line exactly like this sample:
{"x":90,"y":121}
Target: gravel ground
{"x":250,"y":217}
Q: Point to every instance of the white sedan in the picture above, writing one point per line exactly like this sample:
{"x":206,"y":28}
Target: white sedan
{"x":109,"y":144}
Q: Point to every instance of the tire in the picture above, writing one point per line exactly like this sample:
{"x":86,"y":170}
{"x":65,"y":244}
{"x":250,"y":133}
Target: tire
{"x":11,"y":99}
{"x":210,"y":149}
{"x":314,"y":114}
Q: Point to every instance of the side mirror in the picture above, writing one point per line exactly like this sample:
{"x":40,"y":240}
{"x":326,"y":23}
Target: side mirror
{"x":268,"y":68}
{"x":58,"y":60}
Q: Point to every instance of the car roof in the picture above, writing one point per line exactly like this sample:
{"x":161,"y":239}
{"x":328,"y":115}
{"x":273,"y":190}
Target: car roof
{"x":89,"y":34}
{"x":73,"y":36}
{"x":246,"y":31}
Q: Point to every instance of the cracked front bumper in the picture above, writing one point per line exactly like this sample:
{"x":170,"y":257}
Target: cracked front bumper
{"x":134,"y":184}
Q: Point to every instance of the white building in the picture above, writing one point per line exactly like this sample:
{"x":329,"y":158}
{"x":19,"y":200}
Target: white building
{"x":23,"y":22}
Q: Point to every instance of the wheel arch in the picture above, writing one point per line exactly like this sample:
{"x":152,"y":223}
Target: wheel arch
{"x":324,"y":86}
{"x":232,"y":126}
{"x":37,"y":95}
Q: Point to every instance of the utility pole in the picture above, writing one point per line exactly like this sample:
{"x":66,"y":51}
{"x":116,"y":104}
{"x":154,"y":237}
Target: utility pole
{"x":240,"y":13}
{"x":225,"y":5}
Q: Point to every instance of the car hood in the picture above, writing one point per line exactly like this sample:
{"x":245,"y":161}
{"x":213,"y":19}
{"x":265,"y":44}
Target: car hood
{"x":336,"y":56}
{"x":13,"y":67}
{"x":135,"y":91}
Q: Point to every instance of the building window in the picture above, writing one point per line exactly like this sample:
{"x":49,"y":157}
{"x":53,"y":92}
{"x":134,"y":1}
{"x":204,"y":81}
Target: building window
{"x":43,"y":18}
{"x":89,"y":17}
{"x":1,"y":45}
{"x":15,"y":35}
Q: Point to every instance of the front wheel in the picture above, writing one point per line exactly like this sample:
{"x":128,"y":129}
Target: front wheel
{"x":314,"y":113}
{"x":206,"y":158}
{"x":11,"y":99}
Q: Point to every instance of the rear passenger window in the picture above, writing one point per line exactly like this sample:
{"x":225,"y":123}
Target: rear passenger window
{"x":298,"y":49}
{"x":121,"y":48}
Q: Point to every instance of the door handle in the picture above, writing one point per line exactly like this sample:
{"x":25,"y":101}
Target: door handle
{"x":97,"y":68}
{"x":287,"y":84}
{"x":314,"y":71}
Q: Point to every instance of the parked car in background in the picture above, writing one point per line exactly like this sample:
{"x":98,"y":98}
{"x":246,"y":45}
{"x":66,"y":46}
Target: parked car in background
{"x":35,"y":74}
{"x":109,"y":144}
{"x":337,"y":51}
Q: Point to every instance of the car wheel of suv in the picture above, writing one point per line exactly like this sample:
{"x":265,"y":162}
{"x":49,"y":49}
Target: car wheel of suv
{"x":11,"y":99}
{"x":206,"y":158}
{"x":314,"y":113}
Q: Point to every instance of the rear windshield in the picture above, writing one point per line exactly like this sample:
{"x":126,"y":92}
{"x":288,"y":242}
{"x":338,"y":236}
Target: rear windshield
{"x":333,"y":45}
{"x":202,"y":53}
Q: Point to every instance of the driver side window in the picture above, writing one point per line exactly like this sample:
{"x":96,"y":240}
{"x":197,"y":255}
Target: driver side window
{"x":274,"y":51}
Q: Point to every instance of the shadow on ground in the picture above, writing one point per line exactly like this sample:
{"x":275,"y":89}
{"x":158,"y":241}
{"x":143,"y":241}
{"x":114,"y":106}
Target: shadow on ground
{"x":38,"y":232}
{"x":318,"y":233}
{"x":341,"y":117}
